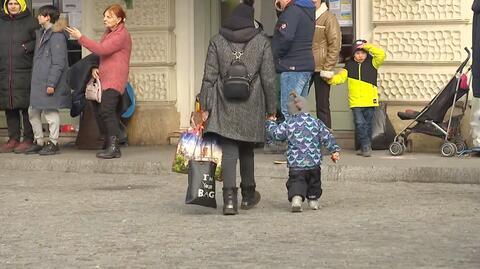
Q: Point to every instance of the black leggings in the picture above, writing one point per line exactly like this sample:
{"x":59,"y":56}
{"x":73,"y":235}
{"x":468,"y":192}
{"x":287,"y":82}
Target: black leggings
{"x":107,"y":113}
{"x":15,"y":117}
{"x":234,"y":150}
{"x":322,"y":98}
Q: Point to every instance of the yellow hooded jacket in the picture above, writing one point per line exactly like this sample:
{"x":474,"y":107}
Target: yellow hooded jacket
{"x":23,"y":6}
{"x":362,"y":78}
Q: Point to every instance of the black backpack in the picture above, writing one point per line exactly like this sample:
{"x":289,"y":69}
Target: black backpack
{"x":237,"y":81}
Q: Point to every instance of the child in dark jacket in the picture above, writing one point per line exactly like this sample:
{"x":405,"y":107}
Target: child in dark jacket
{"x":305,"y":136}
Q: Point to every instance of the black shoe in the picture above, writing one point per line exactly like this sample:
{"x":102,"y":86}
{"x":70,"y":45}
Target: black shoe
{"x":112,"y":151}
{"x":230,"y":202}
{"x":33,"y":149}
{"x":250,"y":197}
{"x":49,"y":149}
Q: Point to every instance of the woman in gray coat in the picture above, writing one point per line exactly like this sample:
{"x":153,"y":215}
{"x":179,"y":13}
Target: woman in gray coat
{"x":240,"y":124}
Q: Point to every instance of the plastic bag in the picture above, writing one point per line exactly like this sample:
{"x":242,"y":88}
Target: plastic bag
{"x":475,"y":124}
{"x":195,"y":146}
{"x":383,"y":132}
{"x":201,"y":184}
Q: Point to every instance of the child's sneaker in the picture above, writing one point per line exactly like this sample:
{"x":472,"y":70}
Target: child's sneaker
{"x":367,"y":151}
{"x":297,"y":203}
{"x":48,"y":149}
{"x":313,"y":204}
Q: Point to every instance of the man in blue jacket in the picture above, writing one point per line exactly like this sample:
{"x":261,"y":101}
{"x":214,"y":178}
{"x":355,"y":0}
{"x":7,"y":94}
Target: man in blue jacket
{"x":292,"y":47}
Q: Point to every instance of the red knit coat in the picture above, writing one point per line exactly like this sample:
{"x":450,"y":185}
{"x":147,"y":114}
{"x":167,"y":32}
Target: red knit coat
{"x":114,"y":50}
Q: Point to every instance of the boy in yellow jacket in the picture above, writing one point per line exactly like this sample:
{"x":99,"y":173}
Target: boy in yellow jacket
{"x":361,"y":74}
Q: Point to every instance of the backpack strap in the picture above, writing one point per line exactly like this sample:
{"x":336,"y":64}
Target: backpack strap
{"x":238,"y":54}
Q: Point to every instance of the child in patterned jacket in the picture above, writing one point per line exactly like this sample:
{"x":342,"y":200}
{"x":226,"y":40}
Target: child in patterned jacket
{"x":305,"y":136}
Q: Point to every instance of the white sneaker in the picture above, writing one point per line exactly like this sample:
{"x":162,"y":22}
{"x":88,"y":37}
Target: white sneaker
{"x":297,"y":204}
{"x":313,"y":204}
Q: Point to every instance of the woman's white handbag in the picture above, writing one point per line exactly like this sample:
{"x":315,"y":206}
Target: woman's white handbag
{"x":94,"y":90}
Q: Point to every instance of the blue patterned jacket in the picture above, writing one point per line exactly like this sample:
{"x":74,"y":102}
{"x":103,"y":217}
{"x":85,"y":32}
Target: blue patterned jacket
{"x":305,"y":136}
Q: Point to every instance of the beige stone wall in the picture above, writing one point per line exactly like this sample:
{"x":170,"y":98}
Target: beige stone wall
{"x":151,"y":24}
{"x":424,"y":41}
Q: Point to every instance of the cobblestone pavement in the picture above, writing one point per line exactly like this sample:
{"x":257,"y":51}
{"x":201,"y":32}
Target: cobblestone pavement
{"x":57,"y":220}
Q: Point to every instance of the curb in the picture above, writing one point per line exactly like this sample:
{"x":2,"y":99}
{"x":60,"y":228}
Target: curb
{"x":330,"y":172}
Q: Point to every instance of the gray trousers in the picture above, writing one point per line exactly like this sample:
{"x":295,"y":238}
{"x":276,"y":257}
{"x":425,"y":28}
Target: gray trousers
{"x":53,"y":118}
{"x":232,"y":151}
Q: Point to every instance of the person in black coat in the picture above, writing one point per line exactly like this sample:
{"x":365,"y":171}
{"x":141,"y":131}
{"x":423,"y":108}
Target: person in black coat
{"x":292,"y":48}
{"x":17,"y":44}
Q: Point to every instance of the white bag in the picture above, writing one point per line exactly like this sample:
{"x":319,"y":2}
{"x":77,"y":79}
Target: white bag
{"x":94,"y":90}
{"x":475,"y":124}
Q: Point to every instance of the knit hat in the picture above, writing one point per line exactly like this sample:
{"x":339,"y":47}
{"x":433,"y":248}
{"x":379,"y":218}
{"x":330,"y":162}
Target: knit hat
{"x":23,"y":6}
{"x":240,"y":18}
{"x":296,"y":104}
{"x":357,"y":44}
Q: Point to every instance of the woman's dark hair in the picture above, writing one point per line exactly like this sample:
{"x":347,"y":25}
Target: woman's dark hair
{"x":249,"y":2}
{"x":50,"y":11}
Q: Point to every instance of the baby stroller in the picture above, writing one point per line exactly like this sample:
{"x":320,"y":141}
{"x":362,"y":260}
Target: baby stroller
{"x":430,"y":120}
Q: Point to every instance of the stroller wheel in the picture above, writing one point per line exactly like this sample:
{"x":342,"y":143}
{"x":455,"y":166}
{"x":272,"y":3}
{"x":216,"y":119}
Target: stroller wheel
{"x":461,"y":146}
{"x":448,"y":149}
{"x":396,"y":148}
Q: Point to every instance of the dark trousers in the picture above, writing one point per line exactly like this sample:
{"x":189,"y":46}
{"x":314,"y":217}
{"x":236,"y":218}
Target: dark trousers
{"x":14,"y":119}
{"x":363,"y":117}
{"x":233,"y":150}
{"x":304,"y":183}
{"x":107,"y":113}
{"x":322,"y":99}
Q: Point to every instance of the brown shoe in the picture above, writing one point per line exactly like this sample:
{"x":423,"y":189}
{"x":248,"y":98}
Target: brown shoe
{"x":22,"y":147}
{"x":9,"y":146}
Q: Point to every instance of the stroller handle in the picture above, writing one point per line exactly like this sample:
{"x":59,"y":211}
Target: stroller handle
{"x":464,"y":63}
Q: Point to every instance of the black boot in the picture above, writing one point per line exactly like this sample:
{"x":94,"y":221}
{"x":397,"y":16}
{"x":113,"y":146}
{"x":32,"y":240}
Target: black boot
{"x":250,"y":197}
{"x":230,"y":202}
{"x":112,"y":150}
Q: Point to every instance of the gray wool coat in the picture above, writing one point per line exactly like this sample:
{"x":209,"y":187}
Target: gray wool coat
{"x":50,"y":66}
{"x":239,"y":120}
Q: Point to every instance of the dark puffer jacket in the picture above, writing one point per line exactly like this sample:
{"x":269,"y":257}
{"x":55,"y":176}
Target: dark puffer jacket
{"x":17,"y":44}
{"x":293,"y":36}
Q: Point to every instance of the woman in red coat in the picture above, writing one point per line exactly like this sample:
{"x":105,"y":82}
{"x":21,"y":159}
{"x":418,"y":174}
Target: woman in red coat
{"x":114,"y":50}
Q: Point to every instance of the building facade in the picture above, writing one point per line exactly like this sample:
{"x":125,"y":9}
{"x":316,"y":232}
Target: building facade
{"x":424,"y":41}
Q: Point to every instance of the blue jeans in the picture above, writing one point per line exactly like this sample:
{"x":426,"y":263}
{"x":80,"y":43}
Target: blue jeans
{"x":293,"y":81}
{"x":363,"y":117}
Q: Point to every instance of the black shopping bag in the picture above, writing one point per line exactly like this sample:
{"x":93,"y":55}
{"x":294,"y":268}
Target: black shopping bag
{"x":201,"y":183}
{"x":383,"y":132}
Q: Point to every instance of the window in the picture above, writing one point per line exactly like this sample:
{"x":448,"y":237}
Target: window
{"x":344,"y":10}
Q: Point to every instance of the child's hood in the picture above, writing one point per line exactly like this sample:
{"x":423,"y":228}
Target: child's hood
{"x":60,"y":25}
{"x":297,"y":104}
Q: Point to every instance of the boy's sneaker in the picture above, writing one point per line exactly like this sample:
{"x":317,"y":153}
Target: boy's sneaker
{"x":49,"y":149}
{"x":33,"y":149}
{"x":359,"y":152}
{"x":313,"y":204}
{"x":297,"y":203}
{"x":367,"y":151}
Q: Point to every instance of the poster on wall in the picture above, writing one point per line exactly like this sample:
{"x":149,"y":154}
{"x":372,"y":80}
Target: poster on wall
{"x":343,"y":11}
{"x":73,"y":6}
{"x":39,"y":3}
